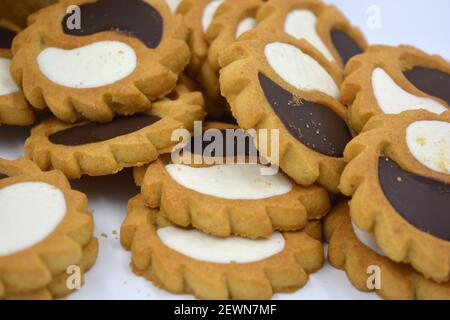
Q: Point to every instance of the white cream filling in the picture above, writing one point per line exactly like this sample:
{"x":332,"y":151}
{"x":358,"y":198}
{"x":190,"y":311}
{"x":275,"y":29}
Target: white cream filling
{"x":173,"y":4}
{"x":245,"y":25}
{"x":29,"y":213}
{"x":208,"y":14}
{"x":429,"y":143}
{"x":393,"y":99}
{"x":299,"y":69}
{"x":7,"y":84}
{"x":92,"y":66}
{"x":231,"y":181}
{"x":368,"y":240}
{"x":203,"y":247}
{"x":301,"y":24}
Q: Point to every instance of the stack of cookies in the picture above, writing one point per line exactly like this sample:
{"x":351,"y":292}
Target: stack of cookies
{"x":301,"y":115}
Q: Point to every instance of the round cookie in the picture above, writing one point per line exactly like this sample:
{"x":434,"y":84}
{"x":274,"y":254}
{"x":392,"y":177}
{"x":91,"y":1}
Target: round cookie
{"x":399,"y":179}
{"x":45,"y":229}
{"x":355,"y":253}
{"x":228,"y":193}
{"x":390,"y":80}
{"x":198,"y":15}
{"x":233,"y":18}
{"x":187,"y":261}
{"x":322,"y":26}
{"x":99,"y":59}
{"x":14,"y":109}
{"x":101,"y":149}
{"x":274,"y":82}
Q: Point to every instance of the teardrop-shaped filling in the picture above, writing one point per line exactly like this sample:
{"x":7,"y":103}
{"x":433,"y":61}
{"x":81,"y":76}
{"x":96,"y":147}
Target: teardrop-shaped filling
{"x":6,"y":37}
{"x":314,"y":125}
{"x":135,"y":18}
{"x":98,"y":132}
{"x":431,"y":81}
{"x":345,"y":45}
{"x":421,"y":201}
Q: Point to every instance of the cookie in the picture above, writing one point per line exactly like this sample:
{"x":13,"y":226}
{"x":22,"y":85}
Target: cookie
{"x":9,"y":168}
{"x":198,"y":15}
{"x":58,"y":289}
{"x":321,"y":26}
{"x":275,"y":82}
{"x":14,"y":109}
{"x":233,"y":18}
{"x":35,"y":257}
{"x":355,"y":252}
{"x":99,"y":59}
{"x":199,"y":189}
{"x":188,"y":261}
{"x":399,"y":179}
{"x":390,"y":80}
{"x":97,"y":149}
{"x":18,"y":11}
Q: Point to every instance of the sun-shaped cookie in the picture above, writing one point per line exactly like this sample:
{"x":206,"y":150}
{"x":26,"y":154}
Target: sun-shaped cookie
{"x":198,"y":15}
{"x":355,"y":252}
{"x":97,"y":149}
{"x":188,"y":261}
{"x":87,"y":59}
{"x":399,"y":179}
{"x":14,"y":109}
{"x":276,"y":83}
{"x":390,"y":80}
{"x":233,"y":18}
{"x":217,"y":185}
{"x":45,"y":229}
{"x":322,"y":26}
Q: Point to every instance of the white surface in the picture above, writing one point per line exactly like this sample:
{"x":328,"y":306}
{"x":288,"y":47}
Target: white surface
{"x":29,"y":212}
{"x":301,"y":24}
{"x":7,"y":84}
{"x":393,"y":99}
{"x":299,"y":69}
{"x":208,"y":14}
{"x":415,"y":22}
{"x":429,"y":143}
{"x":203,"y":247}
{"x":231,"y":181}
{"x":245,"y":25}
{"x":92,"y":66}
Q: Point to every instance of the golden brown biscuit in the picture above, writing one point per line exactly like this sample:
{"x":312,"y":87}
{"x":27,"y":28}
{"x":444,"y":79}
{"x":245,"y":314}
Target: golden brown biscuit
{"x":320,"y":25}
{"x":86,"y":64}
{"x":390,"y":80}
{"x":399,"y":179}
{"x":44,"y":227}
{"x":213,"y":206}
{"x":233,"y":18}
{"x":275,"y":82}
{"x":397,"y":281}
{"x":58,"y":288}
{"x":14,"y":109}
{"x":285,"y":268}
{"x":103,"y":149}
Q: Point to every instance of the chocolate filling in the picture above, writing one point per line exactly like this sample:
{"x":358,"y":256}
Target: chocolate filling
{"x":346,"y":46}
{"x":241,"y":144}
{"x":132,"y":17}
{"x":97,"y":132}
{"x":315,"y":125}
{"x":421,"y":201}
{"x":3,"y":176}
{"x":6,"y":38}
{"x":431,"y":81}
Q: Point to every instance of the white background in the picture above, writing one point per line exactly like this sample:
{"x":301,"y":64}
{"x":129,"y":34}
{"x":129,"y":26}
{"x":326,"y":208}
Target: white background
{"x":424,"y":24}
